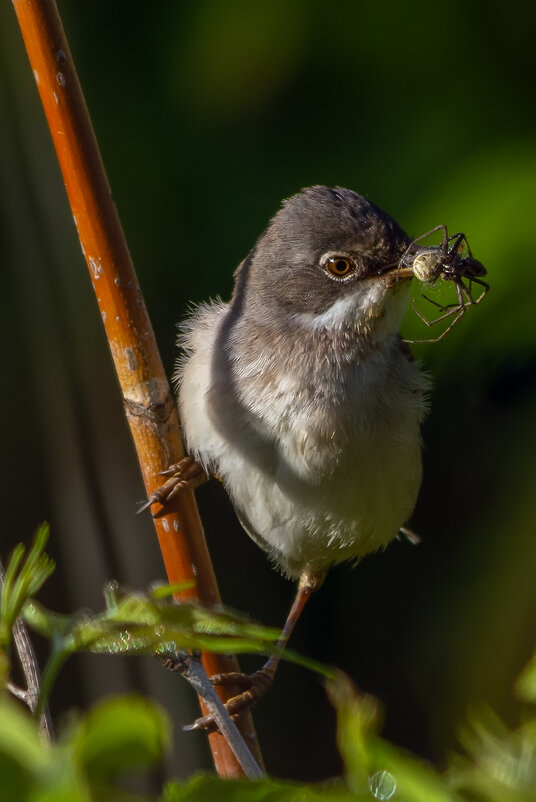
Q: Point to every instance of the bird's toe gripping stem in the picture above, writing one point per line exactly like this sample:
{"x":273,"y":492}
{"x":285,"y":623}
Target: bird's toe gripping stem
{"x":187,"y":473}
{"x":254,"y":686}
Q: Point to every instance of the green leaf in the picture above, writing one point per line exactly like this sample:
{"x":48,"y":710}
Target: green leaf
{"x":358,"y":717}
{"x":500,"y":765}
{"x":5,"y":668}
{"x":121,"y":733}
{"x":15,"y":780}
{"x":211,"y":789}
{"x":136,"y":623}
{"x":38,"y":565}
{"x":49,"y":625}
{"x":415,"y":780}
{"x":164,"y":591}
{"x":7,"y":610}
{"x":19,"y":738}
{"x":372,"y":763}
{"x":140,"y":623}
{"x":23,"y":580}
{"x":525,"y":687}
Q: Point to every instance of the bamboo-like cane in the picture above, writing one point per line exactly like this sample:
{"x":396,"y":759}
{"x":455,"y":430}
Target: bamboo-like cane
{"x":149,"y":405}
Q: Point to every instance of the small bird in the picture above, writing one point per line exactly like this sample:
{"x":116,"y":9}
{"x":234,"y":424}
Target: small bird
{"x":301,"y":397}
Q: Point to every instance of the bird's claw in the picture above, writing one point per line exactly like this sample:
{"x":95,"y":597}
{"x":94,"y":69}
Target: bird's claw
{"x":187,"y":473}
{"x":254,"y":686}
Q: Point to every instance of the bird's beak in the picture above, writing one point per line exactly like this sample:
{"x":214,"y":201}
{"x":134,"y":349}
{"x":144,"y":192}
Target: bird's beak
{"x":393,"y":274}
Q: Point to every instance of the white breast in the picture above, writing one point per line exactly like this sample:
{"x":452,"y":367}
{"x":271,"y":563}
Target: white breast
{"x":317,"y":474}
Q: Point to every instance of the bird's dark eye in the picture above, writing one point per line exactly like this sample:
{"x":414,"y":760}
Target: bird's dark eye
{"x":339,"y":266}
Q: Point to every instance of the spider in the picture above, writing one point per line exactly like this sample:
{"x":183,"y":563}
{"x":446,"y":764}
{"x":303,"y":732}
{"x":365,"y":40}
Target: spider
{"x":445,"y":261}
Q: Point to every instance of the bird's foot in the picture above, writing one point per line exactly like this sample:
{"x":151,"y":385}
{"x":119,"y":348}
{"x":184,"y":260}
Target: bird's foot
{"x":253,"y":687}
{"x":187,"y":473}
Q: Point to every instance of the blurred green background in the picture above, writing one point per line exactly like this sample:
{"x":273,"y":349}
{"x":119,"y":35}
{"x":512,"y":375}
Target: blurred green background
{"x":208,"y":113}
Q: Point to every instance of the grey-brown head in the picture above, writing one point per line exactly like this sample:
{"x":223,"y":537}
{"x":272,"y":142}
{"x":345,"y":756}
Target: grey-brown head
{"x":323,"y":260}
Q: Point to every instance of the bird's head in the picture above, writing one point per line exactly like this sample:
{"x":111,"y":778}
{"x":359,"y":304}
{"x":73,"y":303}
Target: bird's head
{"x":328,"y":259}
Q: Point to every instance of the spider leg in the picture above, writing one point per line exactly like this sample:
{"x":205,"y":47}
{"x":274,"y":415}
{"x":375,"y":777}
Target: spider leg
{"x":441,"y":227}
{"x":438,"y":319}
{"x":464,"y":293}
{"x":444,"y":243}
{"x":458,"y":240}
{"x":421,"y":316}
{"x":462,"y":238}
{"x":436,"y":303}
{"x":443,"y":333}
{"x":455,"y":308}
{"x":458,"y":310}
{"x":483,"y":284}
{"x":465,"y":299}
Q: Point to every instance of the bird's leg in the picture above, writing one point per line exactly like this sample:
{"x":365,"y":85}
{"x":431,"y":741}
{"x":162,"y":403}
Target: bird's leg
{"x":187,"y":473}
{"x":255,"y":685}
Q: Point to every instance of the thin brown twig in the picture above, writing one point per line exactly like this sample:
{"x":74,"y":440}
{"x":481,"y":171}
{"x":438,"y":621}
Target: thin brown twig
{"x":149,"y":406}
{"x":191,"y":668}
{"x":30,"y":670}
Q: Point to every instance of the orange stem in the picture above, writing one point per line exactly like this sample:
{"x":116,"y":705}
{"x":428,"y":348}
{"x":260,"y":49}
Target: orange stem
{"x":149,"y":406}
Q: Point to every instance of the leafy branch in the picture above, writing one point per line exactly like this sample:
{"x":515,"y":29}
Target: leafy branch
{"x":131,"y":623}
{"x":23,"y":580}
{"x":124,"y":734}
{"x":18,"y":583}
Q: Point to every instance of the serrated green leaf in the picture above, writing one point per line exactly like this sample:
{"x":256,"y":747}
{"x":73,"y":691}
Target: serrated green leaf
{"x":23,"y":578}
{"x":38,"y":565}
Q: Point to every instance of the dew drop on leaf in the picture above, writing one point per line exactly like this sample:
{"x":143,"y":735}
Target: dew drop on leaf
{"x":382,"y":785}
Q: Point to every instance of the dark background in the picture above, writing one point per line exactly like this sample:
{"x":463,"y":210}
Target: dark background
{"x":208,"y":113}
